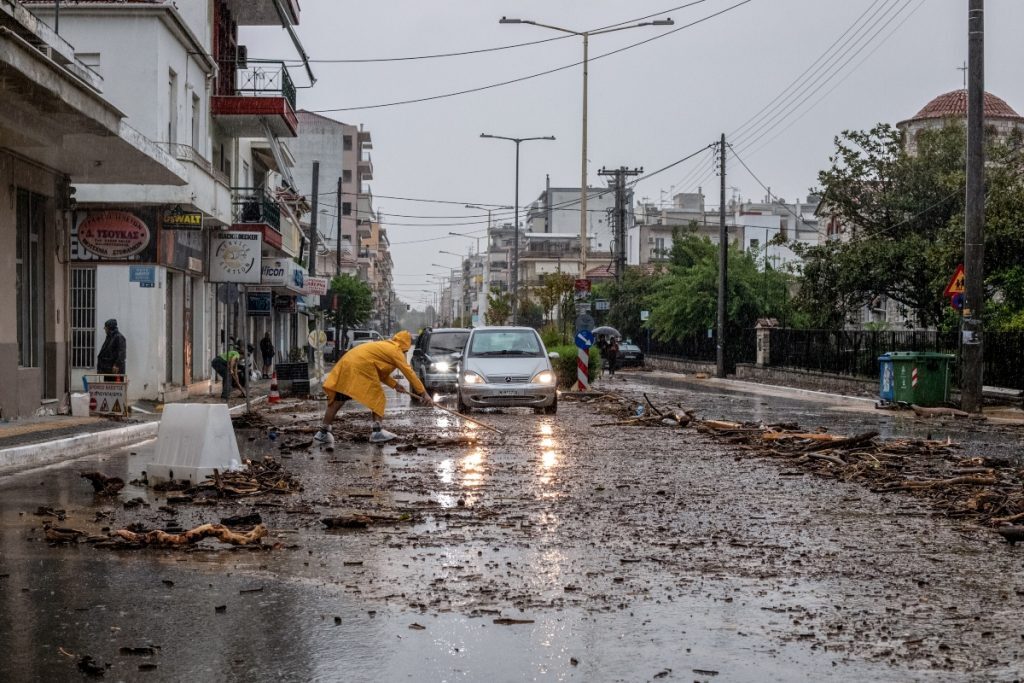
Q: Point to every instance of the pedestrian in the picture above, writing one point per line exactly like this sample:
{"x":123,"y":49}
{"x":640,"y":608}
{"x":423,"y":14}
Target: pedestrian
{"x":612,"y":355}
{"x":226,"y":365}
{"x":112,"y":353}
{"x":267,"y":350}
{"x":359,"y":375}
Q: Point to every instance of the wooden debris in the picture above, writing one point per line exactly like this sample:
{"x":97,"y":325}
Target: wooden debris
{"x":259,"y":476}
{"x":104,"y":485}
{"x":362,"y":520}
{"x":162,"y":539}
{"x":938,"y":412}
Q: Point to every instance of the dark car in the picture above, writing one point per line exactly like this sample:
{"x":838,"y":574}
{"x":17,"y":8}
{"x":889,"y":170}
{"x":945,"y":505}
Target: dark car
{"x":630,"y":355}
{"x":435,"y":357}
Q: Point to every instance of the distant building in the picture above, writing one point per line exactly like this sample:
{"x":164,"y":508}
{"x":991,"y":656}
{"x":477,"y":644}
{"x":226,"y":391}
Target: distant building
{"x":952,"y":107}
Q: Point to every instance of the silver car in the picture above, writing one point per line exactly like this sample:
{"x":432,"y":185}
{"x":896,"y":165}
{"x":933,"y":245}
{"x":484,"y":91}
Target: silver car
{"x":507,"y":366}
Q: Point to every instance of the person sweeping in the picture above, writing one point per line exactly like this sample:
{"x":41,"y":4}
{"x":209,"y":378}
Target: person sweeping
{"x":359,"y":375}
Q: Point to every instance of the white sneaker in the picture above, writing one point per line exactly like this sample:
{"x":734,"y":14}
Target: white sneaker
{"x":381,"y":436}
{"x":323,"y":437}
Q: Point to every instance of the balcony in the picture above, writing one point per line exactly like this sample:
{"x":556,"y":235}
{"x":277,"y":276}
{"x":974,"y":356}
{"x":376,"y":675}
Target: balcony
{"x":264,"y":12}
{"x":253,"y":210}
{"x":263,"y":94}
{"x":365,"y":167}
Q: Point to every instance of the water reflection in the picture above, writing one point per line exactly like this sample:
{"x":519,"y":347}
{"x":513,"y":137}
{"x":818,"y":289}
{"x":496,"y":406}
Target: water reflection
{"x":549,"y":456}
{"x":473,"y":470}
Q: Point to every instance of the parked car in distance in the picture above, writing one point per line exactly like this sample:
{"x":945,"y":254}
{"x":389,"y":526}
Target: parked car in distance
{"x":507,"y":367}
{"x":354,"y":337}
{"x":435,"y":357}
{"x":630,"y":354}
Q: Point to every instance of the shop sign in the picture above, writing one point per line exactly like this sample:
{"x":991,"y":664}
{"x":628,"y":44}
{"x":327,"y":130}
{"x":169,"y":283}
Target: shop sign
{"x":144,"y":275}
{"x":259,"y":303}
{"x":235,"y":257}
{"x":275,"y":272}
{"x":284,"y":303}
{"x":317,"y":286}
{"x":115,"y":235}
{"x":178,"y":219}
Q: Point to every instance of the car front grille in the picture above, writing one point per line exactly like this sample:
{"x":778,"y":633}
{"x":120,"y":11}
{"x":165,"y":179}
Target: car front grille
{"x":508,"y":379}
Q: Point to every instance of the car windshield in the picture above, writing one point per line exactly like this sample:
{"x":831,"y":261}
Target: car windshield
{"x":628,"y":347}
{"x":447,"y":342}
{"x":506,"y":343}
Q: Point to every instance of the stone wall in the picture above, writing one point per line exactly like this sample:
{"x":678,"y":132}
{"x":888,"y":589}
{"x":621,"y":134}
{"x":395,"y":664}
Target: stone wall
{"x":680,"y":365}
{"x":804,"y":379}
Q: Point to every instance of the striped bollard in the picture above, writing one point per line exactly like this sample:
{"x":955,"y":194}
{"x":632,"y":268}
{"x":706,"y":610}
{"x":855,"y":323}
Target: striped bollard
{"x":913,"y":378}
{"x":584,"y":340}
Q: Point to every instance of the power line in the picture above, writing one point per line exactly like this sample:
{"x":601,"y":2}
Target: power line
{"x":521,"y":79}
{"x":464,"y":53}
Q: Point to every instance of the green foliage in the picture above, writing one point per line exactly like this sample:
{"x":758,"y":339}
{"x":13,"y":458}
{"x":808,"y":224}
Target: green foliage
{"x":556,"y":291}
{"x":904,"y":212}
{"x":355,"y":302}
{"x":553,"y":336}
{"x":684,"y":301}
{"x":499,"y":308}
{"x":566,"y":367}
{"x":627,"y":299}
{"x":530,"y":312}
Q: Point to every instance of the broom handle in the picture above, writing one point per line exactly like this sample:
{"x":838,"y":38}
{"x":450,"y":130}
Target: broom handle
{"x":469,"y":419}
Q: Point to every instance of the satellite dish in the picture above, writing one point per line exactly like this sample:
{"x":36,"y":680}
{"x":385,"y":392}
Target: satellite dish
{"x":228,"y":293}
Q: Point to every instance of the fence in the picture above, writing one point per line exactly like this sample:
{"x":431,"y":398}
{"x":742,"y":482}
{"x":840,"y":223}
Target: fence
{"x":739,"y":348}
{"x":856,"y":353}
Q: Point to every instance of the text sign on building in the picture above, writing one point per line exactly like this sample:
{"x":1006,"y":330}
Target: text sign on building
{"x":316,"y":286}
{"x":259,"y":303}
{"x":177,"y":219}
{"x":113,"y":234}
{"x":235,"y":257}
{"x":144,"y":275}
{"x":582,"y":288}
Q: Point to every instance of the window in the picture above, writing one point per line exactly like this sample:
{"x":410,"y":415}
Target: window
{"x":172,"y":106}
{"x":346,"y":208}
{"x":659,"y":245}
{"x":83,"y":317}
{"x":196,"y":123}
{"x":28,"y":259}
{"x":346,"y":176}
{"x":346,"y":143}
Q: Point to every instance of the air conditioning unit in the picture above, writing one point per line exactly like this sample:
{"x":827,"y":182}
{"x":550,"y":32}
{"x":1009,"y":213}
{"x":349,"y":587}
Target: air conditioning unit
{"x":242,"y":57}
{"x":650,"y":240}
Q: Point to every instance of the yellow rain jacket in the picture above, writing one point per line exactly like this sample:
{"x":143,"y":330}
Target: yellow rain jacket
{"x":360,"y":372}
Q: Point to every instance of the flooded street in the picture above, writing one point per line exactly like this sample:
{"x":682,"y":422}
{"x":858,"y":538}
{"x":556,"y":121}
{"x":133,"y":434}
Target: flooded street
{"x":561,"y":551}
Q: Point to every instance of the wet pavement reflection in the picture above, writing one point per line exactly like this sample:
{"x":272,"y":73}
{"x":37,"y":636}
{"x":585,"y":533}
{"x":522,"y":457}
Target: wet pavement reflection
{"x":628,"y":554}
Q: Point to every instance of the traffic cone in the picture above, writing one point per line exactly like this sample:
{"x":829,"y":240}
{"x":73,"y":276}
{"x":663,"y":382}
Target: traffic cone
{"x":275,"y":395}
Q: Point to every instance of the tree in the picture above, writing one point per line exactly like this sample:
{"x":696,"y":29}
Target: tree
{"x":627,"y":299}
{"x":904,"y":211}
{"x":354,"y":303}
{"x":684,"y":301}
{"x":499,"y":308}
{"x":553,"y":291}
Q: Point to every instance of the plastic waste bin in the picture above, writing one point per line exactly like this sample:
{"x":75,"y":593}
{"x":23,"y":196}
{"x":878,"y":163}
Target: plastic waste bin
{"x":915,"y":378}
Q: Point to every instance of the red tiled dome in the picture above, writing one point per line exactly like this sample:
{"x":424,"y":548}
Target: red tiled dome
{"x":953,"y":105}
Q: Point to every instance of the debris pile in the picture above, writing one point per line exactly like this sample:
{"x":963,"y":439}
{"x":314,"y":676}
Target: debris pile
{"x":259,"y":476}
{"x":988,"y":490}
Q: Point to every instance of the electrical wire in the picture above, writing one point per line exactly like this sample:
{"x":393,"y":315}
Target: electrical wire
{"x":521,"y":79}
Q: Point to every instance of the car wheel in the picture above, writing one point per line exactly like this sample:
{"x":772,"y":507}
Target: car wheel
{"x":552,"y":409}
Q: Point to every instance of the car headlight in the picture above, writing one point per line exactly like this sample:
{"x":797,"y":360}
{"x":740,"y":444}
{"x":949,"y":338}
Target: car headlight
{"x":472,"y":378}
{"x":440,"y":366}
{"x":546,"y":377}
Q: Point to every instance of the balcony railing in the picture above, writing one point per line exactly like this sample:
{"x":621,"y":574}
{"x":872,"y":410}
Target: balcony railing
{"x":254,"y":205}
{"x":269,"y":79}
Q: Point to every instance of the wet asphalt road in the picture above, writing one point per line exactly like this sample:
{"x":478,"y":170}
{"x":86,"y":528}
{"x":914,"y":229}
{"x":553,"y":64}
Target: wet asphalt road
{"x":636,"y":553}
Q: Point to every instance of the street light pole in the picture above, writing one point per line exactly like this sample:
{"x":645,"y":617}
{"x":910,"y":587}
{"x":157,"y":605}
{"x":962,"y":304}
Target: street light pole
{"x":586,"y":73}
{"x":515,"y":231}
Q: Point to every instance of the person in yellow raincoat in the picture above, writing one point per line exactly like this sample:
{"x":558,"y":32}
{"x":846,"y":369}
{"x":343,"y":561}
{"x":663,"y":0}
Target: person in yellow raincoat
{"x":359,"y":375}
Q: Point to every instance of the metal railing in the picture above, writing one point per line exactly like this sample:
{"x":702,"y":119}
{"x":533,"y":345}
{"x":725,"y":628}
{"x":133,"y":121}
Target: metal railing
{"x":740,"y":347}
{"x":267,"y":79}
{"x":254,"y":205}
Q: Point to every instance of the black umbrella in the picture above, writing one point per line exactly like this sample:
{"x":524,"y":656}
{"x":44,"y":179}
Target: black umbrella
{"x":606,"y":331}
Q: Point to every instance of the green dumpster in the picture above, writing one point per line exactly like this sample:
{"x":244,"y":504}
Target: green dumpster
{"x":920,"y":378}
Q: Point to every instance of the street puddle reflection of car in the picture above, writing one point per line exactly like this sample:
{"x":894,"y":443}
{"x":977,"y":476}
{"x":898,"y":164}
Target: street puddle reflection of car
{"x":467,"y":473}
{"x":550,"y":459}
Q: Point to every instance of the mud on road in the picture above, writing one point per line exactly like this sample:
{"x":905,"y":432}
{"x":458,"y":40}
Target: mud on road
{"x":561,"y":551}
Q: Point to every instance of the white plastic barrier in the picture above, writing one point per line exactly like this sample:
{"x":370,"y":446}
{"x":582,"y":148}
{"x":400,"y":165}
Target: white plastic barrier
{"x":194,"y":439}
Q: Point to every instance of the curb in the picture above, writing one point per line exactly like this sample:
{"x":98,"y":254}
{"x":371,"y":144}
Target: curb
{"x":767,"y":389}
{"x":44,"y":453}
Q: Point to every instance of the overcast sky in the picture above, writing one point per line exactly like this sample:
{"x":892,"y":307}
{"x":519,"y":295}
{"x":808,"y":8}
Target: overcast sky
{"x":649,"y":106}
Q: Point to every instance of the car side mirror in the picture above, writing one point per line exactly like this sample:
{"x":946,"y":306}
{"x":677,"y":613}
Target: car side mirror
{"x":553,"y":355}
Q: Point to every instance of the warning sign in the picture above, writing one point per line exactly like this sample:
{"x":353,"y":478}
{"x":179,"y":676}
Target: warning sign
{"x":107,"y":398}
{"x":956,"y":284}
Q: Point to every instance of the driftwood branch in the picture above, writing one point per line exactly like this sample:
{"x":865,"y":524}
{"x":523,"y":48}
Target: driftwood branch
{"x":219,"y":531}
{"x":841,"y":443}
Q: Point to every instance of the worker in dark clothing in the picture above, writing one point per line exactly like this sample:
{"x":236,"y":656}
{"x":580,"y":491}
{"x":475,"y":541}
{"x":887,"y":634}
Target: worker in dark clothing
{"x":112,"y":353}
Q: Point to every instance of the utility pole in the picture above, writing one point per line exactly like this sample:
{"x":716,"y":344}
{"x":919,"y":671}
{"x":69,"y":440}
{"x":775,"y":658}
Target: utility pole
{"x":974,"y":232}
{"x":337,"y":271}
{"x":723,"y":272}
{"x":621,"y":204}
{"x":314,"y":203}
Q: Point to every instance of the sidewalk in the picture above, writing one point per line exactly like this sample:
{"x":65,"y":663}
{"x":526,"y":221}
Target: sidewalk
{"x":38,"y":441}
{"x":995,"y":414}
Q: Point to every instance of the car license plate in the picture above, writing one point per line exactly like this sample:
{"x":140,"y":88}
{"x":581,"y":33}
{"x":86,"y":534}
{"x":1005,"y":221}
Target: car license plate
{"x":508,"y":392}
